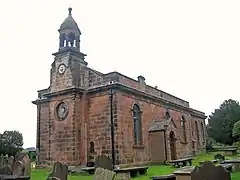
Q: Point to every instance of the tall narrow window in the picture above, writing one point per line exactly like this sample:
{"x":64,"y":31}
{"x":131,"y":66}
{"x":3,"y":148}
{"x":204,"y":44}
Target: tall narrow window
{"x":183,"y":127}
{"x":197,"y":131}
{"x":91,"y":147}
{"x":137,"y":125}
{"x":202,"y":129}
{"x":167,"y":115}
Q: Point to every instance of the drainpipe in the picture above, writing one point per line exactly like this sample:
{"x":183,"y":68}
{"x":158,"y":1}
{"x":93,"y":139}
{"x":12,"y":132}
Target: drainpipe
{"x":38,"y":132}
{"x":112,"y":126}
{"x":165,"y":142}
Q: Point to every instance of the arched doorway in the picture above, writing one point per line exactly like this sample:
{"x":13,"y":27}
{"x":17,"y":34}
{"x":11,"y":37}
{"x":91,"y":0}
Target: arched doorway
{"x":172,"y":145}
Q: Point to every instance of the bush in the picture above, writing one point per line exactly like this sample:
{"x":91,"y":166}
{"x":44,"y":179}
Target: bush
{"x":209,"y":145}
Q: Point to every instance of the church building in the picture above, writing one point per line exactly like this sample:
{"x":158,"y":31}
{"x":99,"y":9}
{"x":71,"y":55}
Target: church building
{"x":75,"y":112}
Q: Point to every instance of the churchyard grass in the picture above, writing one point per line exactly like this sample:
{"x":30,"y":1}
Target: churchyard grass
{"x":39,"y":174}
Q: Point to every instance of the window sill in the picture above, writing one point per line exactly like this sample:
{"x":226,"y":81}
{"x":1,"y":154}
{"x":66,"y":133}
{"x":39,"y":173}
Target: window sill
{"x":138,"y":146}
{"x":184,"y":142}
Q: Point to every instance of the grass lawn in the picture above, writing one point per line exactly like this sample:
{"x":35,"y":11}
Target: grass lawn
{"x":39,"y":174}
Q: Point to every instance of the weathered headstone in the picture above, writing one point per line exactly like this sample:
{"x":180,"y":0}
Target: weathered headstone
{"x":6,"y":169}
{"x":103,"y":174}
{"x":10,"y":160}
{"x":104,"y":162}
{"x":208,"y":171}
{"x":23,"y":157}
{"x":3,"y":160}
{"x":59,"y":172}
{"x":18,"y":168}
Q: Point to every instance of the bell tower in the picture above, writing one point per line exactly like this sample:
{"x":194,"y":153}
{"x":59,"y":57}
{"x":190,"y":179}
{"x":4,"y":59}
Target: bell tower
{"x":69,"y":33}
{"x":69,"y":63}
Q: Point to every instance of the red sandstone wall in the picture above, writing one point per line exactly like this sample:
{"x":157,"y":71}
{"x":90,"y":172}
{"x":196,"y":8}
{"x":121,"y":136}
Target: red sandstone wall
{"x":60,"y":140}
{"x":61,"y":136}
{"x":44,"y":132}
{"x":200,"y":144}
{"x":183,"y":148}
{"x":99,"y":123}
{"x":130,"y":154}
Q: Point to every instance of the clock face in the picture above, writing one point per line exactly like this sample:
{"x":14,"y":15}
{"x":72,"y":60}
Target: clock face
{"x":61,"y":69}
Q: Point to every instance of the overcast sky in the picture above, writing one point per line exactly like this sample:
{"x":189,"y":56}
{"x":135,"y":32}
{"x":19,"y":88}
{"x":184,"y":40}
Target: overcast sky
{"x":187,"y":48}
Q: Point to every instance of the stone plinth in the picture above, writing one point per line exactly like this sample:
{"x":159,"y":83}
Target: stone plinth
{"x":184,"y":173}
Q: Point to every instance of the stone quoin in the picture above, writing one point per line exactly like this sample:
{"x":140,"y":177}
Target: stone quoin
{"x":73,"y":113}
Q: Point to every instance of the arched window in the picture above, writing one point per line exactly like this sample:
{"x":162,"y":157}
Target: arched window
{"x":137,"y":125}
{"x":202,"y":129}
{"x":197,"y":131}
{"x":91,"y":147}
{"x":183,"y":127}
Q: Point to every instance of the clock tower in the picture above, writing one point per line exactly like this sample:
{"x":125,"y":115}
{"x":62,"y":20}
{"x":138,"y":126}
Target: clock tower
{"x":64,"y":113}
{"x":68,"y":67}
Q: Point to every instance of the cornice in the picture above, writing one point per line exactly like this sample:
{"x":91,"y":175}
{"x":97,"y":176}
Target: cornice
{"x":122,"y":87}
{"x":64,"y":92}
{"x":40,"y":101}
{"x":47,"y":96}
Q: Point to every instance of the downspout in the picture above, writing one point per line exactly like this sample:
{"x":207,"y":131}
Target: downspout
{"x":165,"y":142}
{"x":38,"y":132}
{"x":49,"y":134}
{"x":85,"y":142}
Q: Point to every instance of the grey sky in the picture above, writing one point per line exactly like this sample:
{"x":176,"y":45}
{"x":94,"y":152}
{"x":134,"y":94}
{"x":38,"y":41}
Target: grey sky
{"x":187,"y":48}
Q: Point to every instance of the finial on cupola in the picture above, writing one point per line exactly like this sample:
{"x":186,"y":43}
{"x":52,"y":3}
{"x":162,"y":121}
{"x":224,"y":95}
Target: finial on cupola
{"x":69,"y":11}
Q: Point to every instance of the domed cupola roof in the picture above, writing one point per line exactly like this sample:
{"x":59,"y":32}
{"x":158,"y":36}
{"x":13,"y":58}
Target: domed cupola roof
{"x":69,"y":23}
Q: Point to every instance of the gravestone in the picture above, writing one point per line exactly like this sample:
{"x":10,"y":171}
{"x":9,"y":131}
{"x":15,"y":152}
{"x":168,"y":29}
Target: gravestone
{"x":208,"y":171}
{"x":23,"y":157}
{"x":103,"y":174}
{"x":10,"y":160}
{"x":59,"y":172}
{"x":6,"y":169}
{"x":104,"y":162}
{"x":3,"y":160}
{"x":18,"y":168}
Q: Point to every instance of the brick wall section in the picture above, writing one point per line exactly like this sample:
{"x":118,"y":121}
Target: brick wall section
{"x":201,"y":131}
{"x":63,"y":133}
{"x":99,"y":123}
{"x":94,"y":78}
{"x":150,"y":111}
{"x":44,"y":131}
{"x":78,"y":110}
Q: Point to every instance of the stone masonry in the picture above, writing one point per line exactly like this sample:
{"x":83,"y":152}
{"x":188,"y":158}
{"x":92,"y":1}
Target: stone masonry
{"x":73,"y":113}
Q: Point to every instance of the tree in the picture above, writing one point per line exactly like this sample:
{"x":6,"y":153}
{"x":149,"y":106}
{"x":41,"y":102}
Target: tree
{"x":236,"y":130}
{"x":222,"y":120}
{"x":11,"y":142}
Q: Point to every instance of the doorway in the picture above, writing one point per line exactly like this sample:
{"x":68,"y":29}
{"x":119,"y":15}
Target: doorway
{"x":172,"y":145}
{"x":157,"y":146}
